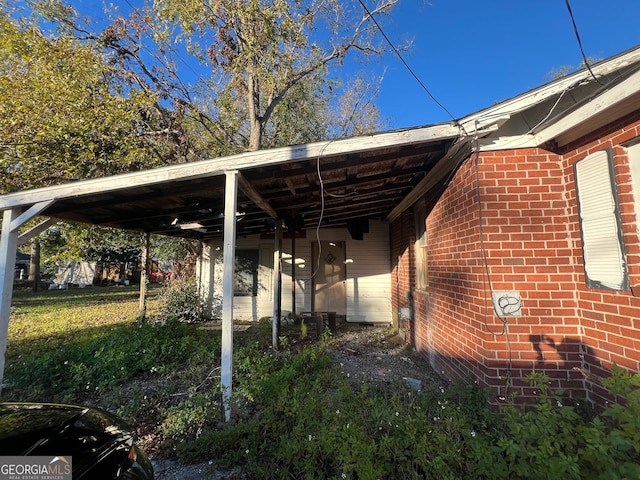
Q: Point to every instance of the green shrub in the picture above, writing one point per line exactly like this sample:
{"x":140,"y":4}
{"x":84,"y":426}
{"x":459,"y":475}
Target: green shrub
{"x":552,"y":440}
{"x":188,"y":418}
{"x":300,"y":418}
{"x":179,"y":300}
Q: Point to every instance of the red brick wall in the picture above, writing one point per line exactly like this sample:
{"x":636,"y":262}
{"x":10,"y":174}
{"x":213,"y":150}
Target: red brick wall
{"x":402,"y":237}
{"x":529,"y":242}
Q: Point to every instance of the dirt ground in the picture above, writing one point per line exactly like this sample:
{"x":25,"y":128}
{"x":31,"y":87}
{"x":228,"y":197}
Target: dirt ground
{"x":169,"y":470}
{"x":375,"y":354}
{"x":365,"y":353}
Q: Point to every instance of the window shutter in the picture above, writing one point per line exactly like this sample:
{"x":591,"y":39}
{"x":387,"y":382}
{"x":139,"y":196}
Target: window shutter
{"x":602,"y":245}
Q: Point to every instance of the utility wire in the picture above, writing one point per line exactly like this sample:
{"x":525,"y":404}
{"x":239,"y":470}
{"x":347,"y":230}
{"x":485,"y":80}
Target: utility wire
{"x":501,"y":316}
{"x":399,"y":55}
{"x":575,"y":29}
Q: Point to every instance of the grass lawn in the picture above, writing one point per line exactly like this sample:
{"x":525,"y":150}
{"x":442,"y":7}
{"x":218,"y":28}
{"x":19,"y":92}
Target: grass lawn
{"x":52,"y":319}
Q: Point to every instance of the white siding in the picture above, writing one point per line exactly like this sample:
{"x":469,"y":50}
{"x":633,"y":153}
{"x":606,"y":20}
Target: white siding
{"x":369,"y":277}
{"x":368,"y":274}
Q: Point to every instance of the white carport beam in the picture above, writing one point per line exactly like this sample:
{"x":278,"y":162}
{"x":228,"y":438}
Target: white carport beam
{"x":228,"y":261}
{"x":38,"y":229}
{"x":31,"y":212}
{"x":8,"y":249}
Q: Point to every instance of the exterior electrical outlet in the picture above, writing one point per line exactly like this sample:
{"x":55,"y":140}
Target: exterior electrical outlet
{"x":507,"y":303}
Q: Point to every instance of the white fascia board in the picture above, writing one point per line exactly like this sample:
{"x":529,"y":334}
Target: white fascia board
{"x":477,"y":122}
{"x":218,"y":166}
{"x":553,"y":130}
{"x":605,"y":101}
{"x":596,"y":106}
{"x":507,"y":143}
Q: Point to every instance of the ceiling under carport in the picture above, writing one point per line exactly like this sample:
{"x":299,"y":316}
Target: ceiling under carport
{"x":331,"y":183}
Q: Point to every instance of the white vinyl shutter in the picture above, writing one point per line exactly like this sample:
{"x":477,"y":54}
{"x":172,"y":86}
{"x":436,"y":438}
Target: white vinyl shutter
{"x":604,"y":259}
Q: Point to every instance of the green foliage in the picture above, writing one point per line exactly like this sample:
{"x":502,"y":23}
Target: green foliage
{"x":72,"y":241}
{"x":180,"y":301}
{"x":66,"y":241}
{"x":552,"y":440}
{"x":64,"y":115}
{"x":327,"y":336}
{"x":189,"y":417}
{"x":312,"y":424}
{"x":101,"y":361}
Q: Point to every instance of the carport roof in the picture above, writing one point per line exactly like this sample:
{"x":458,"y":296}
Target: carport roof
{"x":335,"y":182}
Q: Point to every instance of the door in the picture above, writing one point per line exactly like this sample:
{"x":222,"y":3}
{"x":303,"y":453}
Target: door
{"x":329,"y":277}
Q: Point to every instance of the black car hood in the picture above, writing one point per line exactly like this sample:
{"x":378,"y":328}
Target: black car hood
{"x":97,"y":441}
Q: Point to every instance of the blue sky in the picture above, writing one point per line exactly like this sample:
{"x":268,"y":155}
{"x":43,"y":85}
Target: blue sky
{"x":471,"y":54}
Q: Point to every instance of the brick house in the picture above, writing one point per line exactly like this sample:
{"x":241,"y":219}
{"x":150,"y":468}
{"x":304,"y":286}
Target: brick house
{"x":499,"y":243}
{"x":530,"y":258}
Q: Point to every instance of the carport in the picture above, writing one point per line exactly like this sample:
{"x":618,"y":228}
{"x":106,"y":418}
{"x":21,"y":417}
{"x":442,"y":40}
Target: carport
{"x":332,"y":183}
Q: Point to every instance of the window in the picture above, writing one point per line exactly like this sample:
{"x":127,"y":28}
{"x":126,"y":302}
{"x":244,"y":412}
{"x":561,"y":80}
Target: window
{"x":420,"y":219}
{"x":633,"y":152}
{"x":600,"y":225}
{"x":245,"y":281}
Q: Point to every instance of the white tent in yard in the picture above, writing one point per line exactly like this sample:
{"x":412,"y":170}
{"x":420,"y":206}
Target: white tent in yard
{"x":74,"y":273}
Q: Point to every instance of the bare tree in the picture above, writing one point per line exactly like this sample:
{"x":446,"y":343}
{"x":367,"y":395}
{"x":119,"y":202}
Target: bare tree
{"x":259,"y":53}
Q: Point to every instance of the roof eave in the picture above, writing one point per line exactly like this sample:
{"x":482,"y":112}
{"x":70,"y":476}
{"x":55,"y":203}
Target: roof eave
{"x":476,"y":123}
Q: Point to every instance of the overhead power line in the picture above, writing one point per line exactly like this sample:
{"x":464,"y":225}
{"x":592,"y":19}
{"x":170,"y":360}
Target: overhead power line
{"x":399,"y":55}
{"x":575,"y":29}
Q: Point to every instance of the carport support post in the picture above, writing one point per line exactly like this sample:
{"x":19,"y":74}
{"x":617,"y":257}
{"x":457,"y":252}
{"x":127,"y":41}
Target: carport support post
{"x":144,"y":272}
{"x":228,"y":261}
{"x":277,"y":284}
{"x":293,"y":273}
{"x":8,"y":249}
